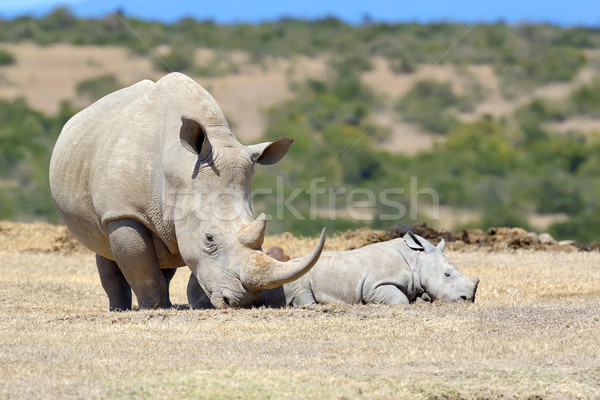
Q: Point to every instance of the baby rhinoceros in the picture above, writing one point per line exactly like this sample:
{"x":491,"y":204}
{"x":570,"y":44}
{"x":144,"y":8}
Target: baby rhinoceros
{"x":394,"y":272}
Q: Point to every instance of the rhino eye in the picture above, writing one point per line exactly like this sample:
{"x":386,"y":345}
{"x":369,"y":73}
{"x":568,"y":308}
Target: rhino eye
{"x":209,"y":237}
{"x":447,"y":274}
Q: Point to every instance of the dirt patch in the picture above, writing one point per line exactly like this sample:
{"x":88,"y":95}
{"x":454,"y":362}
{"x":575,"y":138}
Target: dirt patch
{"x":37,"y":237}
{"x":494,"y":239}
{"x":45,"y":238}
{"x":47,"y":75}
{"x":405,"y":138}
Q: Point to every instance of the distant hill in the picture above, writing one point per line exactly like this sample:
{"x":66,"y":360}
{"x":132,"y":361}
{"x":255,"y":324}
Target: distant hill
{"x":426,"y":110}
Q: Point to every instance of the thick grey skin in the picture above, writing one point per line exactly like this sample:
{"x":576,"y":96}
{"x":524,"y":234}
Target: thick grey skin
{"x":393,"y":272}
{"x":151,"y":178}
{"x":398,"y":271}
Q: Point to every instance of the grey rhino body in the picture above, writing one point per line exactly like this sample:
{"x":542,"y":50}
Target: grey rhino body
{"x":394,"y":272}
{"x":151,"y":178}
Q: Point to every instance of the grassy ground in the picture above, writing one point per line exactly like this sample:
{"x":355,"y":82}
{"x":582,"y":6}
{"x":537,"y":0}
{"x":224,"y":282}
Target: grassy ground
{"x":533,"y":332}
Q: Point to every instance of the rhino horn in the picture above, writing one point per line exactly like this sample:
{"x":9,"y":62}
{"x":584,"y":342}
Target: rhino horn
{"x":264,"y":272}
{"x":253,"y":235}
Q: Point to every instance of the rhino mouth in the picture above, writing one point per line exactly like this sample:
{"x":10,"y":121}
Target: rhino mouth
{"x":474,"y":292}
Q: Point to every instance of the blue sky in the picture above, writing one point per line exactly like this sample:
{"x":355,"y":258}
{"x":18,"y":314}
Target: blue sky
{"x":560,"y":12}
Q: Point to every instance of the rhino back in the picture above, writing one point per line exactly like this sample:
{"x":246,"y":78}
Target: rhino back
{"x":109,"y":160}
{"x":350,"y":276}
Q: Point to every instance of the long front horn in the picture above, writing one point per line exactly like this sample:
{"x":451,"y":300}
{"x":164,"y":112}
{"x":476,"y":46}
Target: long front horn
{"x":264,"y":272}
{"x":253,"y":235}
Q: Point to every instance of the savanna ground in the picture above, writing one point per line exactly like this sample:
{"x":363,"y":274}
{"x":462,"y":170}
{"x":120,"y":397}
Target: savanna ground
{"x":533,"y":332}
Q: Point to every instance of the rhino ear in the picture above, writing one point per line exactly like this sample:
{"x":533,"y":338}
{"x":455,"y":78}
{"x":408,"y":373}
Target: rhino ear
{"x":193,"y":137}
{"x":417,"y":242}
{"x":441,"y":245}
{"x":269,"y":152}
{"x":413,"y":242}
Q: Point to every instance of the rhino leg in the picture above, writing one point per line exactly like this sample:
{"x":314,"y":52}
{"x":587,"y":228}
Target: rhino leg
{"x":302,"y":298}
{"x":387,"y":294}
{"x":168,"y":274}
{"x":196,"y":297}
{"x":133,"y":249}
{"x":114,"y":283}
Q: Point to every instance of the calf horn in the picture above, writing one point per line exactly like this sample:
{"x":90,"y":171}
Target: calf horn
{"x":264,"y":272}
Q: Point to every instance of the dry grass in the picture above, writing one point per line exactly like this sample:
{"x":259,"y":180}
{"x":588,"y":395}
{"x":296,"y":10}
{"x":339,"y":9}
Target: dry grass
{"x":533,"y":331}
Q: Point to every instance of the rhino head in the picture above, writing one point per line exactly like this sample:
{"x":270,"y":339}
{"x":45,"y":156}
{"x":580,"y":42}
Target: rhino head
{"x":438,"y":277}
{"x":217,"y":237}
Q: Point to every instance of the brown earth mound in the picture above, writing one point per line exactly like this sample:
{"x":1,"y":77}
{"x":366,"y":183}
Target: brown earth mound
{"x":494,"y":239}
{"x":37,"y":237}
{"x":41,"y":237}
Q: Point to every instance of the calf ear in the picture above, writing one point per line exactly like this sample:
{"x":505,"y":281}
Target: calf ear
{"x":417,"y":242}
{"x":269,"y":152}
{"x":441,"y":245}
{"x":193,"y":137}
{"x":412,"y":241}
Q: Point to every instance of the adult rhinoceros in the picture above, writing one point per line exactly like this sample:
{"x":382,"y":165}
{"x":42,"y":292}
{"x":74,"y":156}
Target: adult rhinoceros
{"x":151,"y":178}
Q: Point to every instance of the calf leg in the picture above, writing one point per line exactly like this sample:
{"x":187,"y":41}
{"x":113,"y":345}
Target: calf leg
{"x":114,"y":283}
{"x":387,"y":294}
{"x":305,"y":298}
{"x":133,"y":248}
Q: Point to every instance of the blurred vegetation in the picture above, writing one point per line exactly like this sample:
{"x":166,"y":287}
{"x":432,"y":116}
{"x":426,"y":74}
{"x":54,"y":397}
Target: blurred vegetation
{"x":26,"y":140}
{"x":6,"y":58}
{"x":585,"y":100}
{"x":429,"y":104}
{"x":96,"y":88}
{"x":532,"y":54}
{"x":502,"y":169}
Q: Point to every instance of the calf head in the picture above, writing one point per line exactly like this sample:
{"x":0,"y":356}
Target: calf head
{"x":439,"y":278}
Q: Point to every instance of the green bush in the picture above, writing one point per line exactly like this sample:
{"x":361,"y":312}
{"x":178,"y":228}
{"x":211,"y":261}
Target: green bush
{"x":96,"y":88}
{"x":179,"y":59}
{"x":584,"y":226}
{"x":558,"y":64}
{"x":26,"y":141}
{"x":585,"y":100}
{"x":429,"y":104}
{"x":6,"y":58}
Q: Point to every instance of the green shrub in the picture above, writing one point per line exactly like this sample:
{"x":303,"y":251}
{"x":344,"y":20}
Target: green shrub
{"x":26,"y":141}
{"x":585,"y":100}
{"x":558,"y":64}
{"x":178,"y":59}
{"x":429,"y":104}
{"x":6,"y":58}
{"x":96,"y":88}
{"x":584,"y":227}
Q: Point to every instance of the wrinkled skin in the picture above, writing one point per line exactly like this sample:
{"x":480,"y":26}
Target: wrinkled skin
{"x":399,"y":271}
{"x":151,"y":178}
